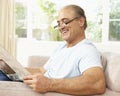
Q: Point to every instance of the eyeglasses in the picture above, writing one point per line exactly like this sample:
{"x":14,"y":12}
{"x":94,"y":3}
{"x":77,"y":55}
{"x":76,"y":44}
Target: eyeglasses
{"x":66,"y":22}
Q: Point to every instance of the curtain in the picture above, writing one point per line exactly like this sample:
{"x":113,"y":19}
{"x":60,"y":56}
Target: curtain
{"x":7,"y":26}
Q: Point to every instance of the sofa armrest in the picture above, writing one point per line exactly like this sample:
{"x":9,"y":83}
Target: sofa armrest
{"x":37,"y":61}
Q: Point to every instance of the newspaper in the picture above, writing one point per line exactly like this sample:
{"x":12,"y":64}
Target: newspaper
{"x":13,"y":63}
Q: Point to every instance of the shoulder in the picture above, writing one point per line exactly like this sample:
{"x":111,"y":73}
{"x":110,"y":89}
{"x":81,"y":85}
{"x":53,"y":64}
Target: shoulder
{"x":86,"y":47}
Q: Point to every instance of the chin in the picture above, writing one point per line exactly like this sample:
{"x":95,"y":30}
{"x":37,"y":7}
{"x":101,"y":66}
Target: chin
{"x":65,"y":37}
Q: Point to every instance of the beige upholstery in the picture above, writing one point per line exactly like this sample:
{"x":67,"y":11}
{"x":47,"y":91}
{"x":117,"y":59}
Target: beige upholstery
{"x":37,"y":61}
{"x":112,"y":72}
{"x":111,"y":65}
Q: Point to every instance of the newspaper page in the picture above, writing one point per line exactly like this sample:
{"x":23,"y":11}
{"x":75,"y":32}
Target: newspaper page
{"x":13,"y":63}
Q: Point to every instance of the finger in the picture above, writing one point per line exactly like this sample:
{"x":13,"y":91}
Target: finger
{"x":30,"y":77}
{"x":31,"y":86}
{"x":28,"y":82}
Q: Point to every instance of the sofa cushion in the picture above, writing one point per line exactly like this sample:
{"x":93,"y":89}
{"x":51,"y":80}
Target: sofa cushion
{"x":112,"y":72}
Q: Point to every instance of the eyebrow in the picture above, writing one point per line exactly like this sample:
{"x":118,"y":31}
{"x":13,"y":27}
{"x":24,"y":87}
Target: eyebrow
{"x":61,"y":19}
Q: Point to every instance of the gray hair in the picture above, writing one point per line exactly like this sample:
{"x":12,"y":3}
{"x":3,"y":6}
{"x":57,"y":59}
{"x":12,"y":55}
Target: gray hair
{"x":78,"y":12}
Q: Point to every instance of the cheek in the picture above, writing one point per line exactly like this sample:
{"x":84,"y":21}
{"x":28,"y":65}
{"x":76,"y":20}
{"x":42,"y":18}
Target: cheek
{"x":73,"y":30}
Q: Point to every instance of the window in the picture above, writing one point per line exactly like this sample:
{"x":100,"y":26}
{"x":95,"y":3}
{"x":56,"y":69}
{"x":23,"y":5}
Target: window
{"x":34,"y":19}
{"x":21,"y":27}
{"x":114,"y":21}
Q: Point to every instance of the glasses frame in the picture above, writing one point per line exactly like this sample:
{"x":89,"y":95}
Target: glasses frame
{"x":67,"y":22}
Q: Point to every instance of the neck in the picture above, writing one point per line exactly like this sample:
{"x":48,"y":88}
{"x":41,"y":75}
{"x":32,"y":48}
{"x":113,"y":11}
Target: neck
{"x":74,"y":42}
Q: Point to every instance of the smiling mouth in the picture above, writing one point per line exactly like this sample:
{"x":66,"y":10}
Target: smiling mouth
{"x":64,"y":31}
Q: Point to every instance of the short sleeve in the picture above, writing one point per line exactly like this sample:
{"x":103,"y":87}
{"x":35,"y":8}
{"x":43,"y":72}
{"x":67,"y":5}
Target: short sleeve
{"x":91,"y":58}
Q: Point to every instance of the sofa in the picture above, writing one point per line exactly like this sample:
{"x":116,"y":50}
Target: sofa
{"x":111,"y":65}
{"x":110,"y":55}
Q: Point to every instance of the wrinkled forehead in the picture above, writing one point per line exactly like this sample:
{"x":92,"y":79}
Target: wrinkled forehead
{"x":66,"y":13}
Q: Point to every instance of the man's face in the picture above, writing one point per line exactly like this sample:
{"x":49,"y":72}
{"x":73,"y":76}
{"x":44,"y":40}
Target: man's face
{"x":70,"y":32}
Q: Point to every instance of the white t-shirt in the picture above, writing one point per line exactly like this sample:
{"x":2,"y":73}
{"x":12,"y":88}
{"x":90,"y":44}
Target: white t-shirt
{"x":72,"y":61}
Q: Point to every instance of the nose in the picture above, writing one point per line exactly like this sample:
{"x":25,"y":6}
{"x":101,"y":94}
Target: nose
{"x":61,"y":25}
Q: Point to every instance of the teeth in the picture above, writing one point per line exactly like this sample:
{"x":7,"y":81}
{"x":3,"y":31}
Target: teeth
{"x":64,"y":31}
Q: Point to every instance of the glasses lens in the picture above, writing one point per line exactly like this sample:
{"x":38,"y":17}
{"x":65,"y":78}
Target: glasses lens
{"x":66,"y":21}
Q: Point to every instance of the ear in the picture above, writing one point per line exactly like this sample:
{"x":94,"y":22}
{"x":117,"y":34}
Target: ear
{"x":81,"y":21}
